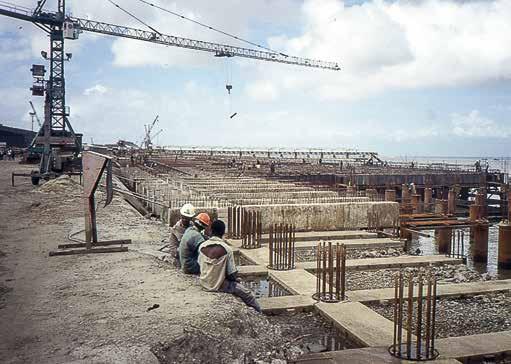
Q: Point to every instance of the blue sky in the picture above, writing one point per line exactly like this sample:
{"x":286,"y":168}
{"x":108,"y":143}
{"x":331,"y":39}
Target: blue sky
{"x":418,"y":78}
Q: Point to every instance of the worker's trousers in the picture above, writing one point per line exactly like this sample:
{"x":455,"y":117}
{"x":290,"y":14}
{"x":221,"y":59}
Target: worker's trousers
{"x":242,"y":292}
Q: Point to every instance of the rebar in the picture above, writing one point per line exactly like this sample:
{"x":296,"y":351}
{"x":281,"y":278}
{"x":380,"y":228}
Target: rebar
{"x":422,"y":346}
{"x":331,"y":269}
{"x":281,"y":246}
{"x":457,"y":245}
{"x":252,"y":229}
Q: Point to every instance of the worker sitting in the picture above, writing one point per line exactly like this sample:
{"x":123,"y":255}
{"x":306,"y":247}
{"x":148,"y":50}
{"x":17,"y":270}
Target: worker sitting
{"x":190,"y":242}
{"x":177,"y":231}
{"x":218,"y":270}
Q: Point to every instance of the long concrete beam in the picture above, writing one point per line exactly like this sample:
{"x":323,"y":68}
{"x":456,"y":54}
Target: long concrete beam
{"x":260,"y":256}
{"x":329,"y":216}
{"x":451,"y":350}
{"x":307,"y":288}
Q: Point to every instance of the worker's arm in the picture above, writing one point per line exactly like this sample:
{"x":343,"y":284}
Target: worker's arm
{"x":195,"y":243}
{"x":232,"y":277}
{"x":231,"y":273}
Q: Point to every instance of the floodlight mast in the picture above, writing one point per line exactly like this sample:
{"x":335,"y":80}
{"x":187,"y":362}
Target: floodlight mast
{"x":56,"y":132}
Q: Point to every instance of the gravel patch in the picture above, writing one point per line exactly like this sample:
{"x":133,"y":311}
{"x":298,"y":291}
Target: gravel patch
{"x":309,"y":254}
{"x":282,"y":338}
{"x":464,"y":316}
{"x":384,"y":278}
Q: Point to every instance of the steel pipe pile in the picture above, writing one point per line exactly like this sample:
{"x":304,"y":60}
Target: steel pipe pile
{"x":422,"y":346}
{"x":331,"y":272}
{"x":282,"y":247}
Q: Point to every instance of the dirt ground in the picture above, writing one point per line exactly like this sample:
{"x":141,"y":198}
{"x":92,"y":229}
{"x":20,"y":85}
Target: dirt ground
{"x":94,"y":308}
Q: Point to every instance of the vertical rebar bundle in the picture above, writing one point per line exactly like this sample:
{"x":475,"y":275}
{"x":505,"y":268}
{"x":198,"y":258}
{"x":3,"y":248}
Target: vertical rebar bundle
{"x":330,"y":272}
{"x":252,"y":229}
{"x":234,"y":214}
{"x":230,"y":221}
{"x":457,"y":246}
{"x":422,"y":346}
{"x":245,"y":225}
{"x":282,"y":247}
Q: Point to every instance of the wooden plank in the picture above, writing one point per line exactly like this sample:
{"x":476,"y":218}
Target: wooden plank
{"x":99,"y":243}
{"x":89,"y":251}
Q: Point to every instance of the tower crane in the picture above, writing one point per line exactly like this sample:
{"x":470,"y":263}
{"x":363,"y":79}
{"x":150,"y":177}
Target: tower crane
{"x":147,"y":142}
{"x":56,"y":140}
{"x":34,"y":116}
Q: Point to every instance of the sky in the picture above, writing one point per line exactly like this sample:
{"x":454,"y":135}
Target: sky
{"x":423,"y":78}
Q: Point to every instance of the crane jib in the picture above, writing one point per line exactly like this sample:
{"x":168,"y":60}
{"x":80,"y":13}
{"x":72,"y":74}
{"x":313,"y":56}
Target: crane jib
{"x":221,"y":50}
{"x":217,"y":48}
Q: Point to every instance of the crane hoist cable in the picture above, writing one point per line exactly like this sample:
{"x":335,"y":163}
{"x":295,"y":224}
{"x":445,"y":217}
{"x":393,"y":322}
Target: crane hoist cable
{"x":211,"y":28}
{"x":228,"y":85}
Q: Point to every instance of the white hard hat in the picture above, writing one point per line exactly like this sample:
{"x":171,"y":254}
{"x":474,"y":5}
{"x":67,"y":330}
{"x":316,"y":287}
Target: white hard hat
{"x":187,"y":210}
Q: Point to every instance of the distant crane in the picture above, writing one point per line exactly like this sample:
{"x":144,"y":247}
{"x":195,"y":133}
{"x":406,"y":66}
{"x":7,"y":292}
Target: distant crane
{"x":34,"y":116}
{"x":56,"y":140}
{"x":147,"y":142}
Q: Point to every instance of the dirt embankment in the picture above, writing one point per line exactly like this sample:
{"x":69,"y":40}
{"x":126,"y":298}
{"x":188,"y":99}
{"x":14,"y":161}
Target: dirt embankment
{"x":94,"y":308}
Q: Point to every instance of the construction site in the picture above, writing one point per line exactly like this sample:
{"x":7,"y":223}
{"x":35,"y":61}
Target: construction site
{"x":352,"y":257}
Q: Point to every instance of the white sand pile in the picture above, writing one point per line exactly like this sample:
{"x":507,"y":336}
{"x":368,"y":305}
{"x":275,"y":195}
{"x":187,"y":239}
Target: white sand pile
{"x":62,"y":184}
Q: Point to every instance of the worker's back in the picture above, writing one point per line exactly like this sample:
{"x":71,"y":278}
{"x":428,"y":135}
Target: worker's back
{"x":189,"y":250}
{"x":216,"y":261}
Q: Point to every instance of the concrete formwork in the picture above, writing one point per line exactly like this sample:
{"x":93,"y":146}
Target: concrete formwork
{"x":333,"y":216}
{"x":269,"y":194}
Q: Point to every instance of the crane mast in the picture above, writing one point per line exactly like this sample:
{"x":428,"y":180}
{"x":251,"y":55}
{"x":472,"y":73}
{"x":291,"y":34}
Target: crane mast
{"x":56,"y":140}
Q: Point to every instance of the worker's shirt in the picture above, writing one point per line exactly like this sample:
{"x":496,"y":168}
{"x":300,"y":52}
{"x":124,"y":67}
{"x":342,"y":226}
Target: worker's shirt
{"x":214,"y":271}
{"x":189,"y":249}
{"x":177,"y":232}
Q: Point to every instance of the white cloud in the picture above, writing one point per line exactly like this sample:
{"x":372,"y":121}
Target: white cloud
{"x":262,"y":91}
{"x":398,"y":45}
{"x":243,"y":18}
{"x":96,"y":90}
{"x":474,"y":124}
